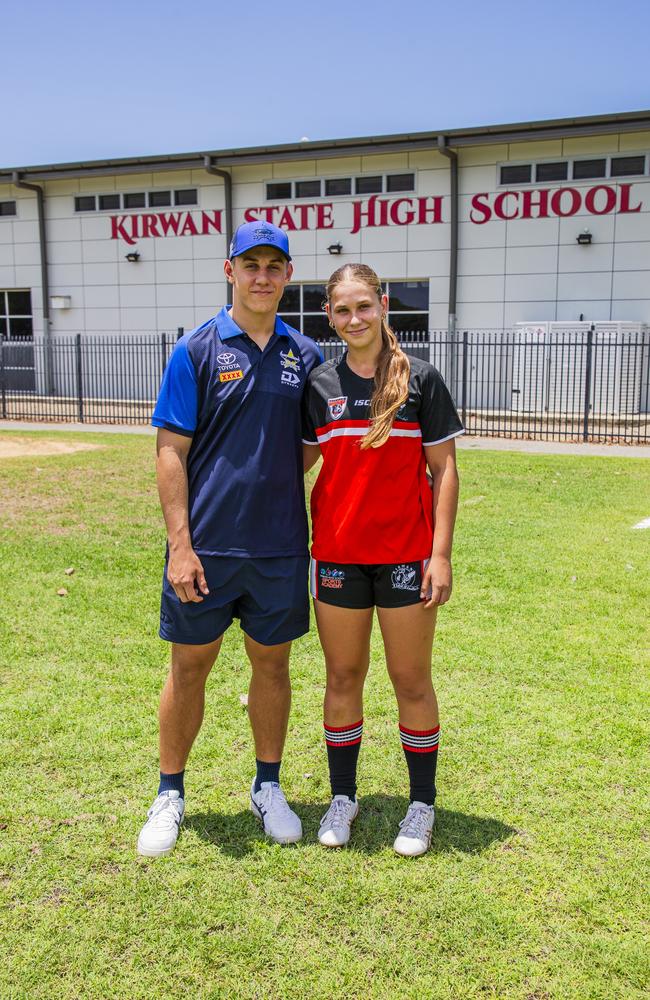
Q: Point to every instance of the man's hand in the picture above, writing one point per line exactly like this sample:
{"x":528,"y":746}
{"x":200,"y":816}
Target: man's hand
{"x":185,"y":573}
{"x":436,"y":582}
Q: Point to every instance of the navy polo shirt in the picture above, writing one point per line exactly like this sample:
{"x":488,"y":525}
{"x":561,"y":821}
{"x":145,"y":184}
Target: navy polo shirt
{"x":241,"y":407}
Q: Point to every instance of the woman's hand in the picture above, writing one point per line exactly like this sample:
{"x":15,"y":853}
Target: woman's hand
{"x":436,"y":582}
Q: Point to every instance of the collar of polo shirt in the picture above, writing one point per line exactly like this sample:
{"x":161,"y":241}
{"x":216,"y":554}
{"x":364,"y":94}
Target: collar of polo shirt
{"x":228,"y":328}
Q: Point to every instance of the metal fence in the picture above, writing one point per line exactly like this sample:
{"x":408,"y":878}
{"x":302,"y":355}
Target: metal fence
{"x":586,"y":385}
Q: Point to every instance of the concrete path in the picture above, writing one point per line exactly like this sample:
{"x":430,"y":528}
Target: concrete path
{"x":467,"y":441}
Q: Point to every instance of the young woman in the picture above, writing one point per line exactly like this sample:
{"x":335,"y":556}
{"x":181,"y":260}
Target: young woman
{"x":382,"y":538}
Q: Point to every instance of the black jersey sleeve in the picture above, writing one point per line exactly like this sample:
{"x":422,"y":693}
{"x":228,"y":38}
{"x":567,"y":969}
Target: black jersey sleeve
{"x":308,"y":414}
{"x":438,"y":417}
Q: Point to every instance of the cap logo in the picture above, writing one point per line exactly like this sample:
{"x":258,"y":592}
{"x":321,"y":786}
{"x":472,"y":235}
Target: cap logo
{"x":263,"y":233}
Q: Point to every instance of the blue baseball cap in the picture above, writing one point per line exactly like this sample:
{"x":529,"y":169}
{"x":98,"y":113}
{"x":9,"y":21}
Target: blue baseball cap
{"x":258,"y":234}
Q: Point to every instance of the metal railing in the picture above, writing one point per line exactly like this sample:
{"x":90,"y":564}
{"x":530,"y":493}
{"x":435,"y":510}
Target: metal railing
{"x":586,"y":385}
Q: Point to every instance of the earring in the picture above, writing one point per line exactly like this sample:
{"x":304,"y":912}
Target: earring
{"x":331,"y":326}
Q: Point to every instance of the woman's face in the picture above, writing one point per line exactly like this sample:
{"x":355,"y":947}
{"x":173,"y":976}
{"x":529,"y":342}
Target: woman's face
{"x":356,"y":313}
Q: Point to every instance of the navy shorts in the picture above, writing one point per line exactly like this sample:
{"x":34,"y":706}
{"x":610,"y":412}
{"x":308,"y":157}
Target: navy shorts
{"x":355,"y":585}
{"x":269,"y":596}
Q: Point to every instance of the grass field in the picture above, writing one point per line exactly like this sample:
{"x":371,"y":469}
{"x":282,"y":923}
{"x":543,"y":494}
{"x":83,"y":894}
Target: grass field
{"x":535,"y":884}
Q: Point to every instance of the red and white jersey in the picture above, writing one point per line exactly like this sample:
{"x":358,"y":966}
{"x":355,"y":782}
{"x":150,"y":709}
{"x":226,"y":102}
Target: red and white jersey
{"x":374,"y":505}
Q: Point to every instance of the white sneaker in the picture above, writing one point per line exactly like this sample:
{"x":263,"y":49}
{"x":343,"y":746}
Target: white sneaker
{"x":279,"y":821}
{"x":337,"y":822}
{"x":414,"y":837}
{"x":159,"y":834}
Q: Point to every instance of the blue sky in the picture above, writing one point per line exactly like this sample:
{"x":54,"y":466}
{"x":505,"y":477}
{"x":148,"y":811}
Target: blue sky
{"x":93,"y":80}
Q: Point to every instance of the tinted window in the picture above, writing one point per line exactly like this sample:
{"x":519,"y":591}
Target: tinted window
{"x":316,"y":327}
{"x":409,"y":322}
{"x":307,"y":189}
{"x":313,"y":297}
{"x":409,"y":295}
{"x":279,"y":190}
{"x":20,"y":303}
{"x":84,"y":203}
{"x":584,"y":169}
{"x":516,"y":174}
{"x":290,"y":301}
{"x":368,"y":185}
{"x":158,"y":199}
{"x":134,"y":200}
{"x":7,"y":207}
{"x":109,"y":201}
{"x":339,"y":185}
{"x":552,"y":171}
{"x":400,"y":182}
{"x":21,"y":328}
{"x":624,"y":166}
{"x":185,"y":197}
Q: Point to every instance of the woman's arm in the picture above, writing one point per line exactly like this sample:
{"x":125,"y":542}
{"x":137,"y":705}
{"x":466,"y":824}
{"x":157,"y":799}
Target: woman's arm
{"x":310,"y":455}
{"x":437,"y":580}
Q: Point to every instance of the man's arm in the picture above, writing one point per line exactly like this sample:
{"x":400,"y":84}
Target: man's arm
{"x":441,"y":459}
{"x":184,"y":570}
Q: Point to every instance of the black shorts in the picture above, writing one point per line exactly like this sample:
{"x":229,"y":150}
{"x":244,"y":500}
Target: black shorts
{"x":354,"y":585}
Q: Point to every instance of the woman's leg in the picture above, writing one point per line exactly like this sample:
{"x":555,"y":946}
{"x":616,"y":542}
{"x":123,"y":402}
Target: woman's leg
{"x":408,"y":640}
{"x":345,"y":638}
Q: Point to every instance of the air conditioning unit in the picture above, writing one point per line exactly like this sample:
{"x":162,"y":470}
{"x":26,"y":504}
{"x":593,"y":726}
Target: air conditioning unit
{"x":530,"y":361}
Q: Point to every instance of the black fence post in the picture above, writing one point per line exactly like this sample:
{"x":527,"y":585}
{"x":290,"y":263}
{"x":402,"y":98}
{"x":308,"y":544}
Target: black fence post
{"x":80,"y":397}
{"x":463,"y":396}
{"x":163,"y":352}
{"x":590,"y":347}
{"x":2,"y":377}
{"x":180,"y":332}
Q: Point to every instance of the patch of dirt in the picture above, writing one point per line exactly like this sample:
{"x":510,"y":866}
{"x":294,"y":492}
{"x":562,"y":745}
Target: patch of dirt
{"x":24,"y":447}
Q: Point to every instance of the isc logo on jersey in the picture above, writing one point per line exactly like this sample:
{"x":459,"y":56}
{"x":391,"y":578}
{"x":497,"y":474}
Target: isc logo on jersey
{"x":337,"y":406}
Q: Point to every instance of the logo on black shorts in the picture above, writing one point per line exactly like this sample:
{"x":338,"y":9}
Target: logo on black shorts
{"x":404,"y":577}
{"x":332,"y":578}
{"x":337,"y":406}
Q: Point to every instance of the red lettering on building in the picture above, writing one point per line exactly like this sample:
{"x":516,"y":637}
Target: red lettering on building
{"x":211,"y":220}
{"x":429,"y":206}
{"x":479,"y":205}
{"x":500,"y":205}
{"x":534,"y":199}
{"x":609,"y":203}
{"x":169,"y":222}
{"x":324,"y":218}
{"x":556,"y":202}
{"x":400,"y":218}
{"x":155,"y":225}
{"x":625,"y":199}
{"x":149,"y":226}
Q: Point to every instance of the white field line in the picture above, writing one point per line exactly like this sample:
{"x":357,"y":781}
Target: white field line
{"x":642,"y":524}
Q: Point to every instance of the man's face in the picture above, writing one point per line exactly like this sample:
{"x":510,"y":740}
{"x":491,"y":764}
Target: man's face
{"x":258,"y":277}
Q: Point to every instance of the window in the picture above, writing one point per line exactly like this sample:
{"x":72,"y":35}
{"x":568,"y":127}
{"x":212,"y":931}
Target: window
{"x":279,"y":190}
{"x":308,"y":189}
{"x":16,"y":315}
{"x":626,"y":166}
{"x":516,"y":174}
{"x":586,"y":169}
{"x":338,"y":185}
{"x":159,"y":199}
{"x":400,"y":182}
{"x":302,"y":307}
{"x":135,"y":200}
{"x":85,"y":203}
{"x":368,"y":185}
{"x":186,"y":197}
{"x":8,"y":208}
{"x":552,"y":171}
{"x":408,"y":306}
{"x":109,"y":201}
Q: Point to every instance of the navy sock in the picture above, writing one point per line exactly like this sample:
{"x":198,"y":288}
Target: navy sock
{"x":172,"y":783}
{"x":266,"y":771}
{"x":343,"y":745}
{"x":421,"y":751}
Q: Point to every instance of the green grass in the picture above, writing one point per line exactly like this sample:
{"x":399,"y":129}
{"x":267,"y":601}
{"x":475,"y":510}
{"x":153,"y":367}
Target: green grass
{"x":535,"y":883}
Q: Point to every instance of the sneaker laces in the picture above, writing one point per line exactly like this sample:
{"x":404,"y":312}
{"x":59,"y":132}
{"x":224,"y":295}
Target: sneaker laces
{"x":165,"y":811}
{"x":415,"y":822}
{"x":273,"y":799}
{"x":336,"y":815}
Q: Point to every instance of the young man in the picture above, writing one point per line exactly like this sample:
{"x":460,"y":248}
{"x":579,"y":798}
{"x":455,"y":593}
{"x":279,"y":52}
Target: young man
{"x":230,"y":479}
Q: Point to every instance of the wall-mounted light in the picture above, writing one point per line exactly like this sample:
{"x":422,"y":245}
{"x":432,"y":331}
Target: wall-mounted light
{"x":60,"y":301}
{"x":584,"y":238}
{"x":335,"y":249}
{"x":133,"y":257}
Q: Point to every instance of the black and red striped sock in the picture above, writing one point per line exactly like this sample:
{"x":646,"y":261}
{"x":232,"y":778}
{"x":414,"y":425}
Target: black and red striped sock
{"x":421,"y":751}
{"x":343,"y":745}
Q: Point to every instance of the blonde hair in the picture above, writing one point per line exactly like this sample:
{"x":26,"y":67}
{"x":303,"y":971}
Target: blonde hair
{"x":392,"y":374}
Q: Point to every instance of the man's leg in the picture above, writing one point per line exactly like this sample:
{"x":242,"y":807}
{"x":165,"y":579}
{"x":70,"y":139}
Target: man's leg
{"x":269,"y":701}
{"x":181,"y":713}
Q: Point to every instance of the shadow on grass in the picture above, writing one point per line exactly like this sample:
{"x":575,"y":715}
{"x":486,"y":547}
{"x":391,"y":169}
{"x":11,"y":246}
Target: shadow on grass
{"x":237,"y":834}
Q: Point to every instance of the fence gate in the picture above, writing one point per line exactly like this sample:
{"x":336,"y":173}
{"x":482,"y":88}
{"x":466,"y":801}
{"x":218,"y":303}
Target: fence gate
{"x":17,"y":368}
